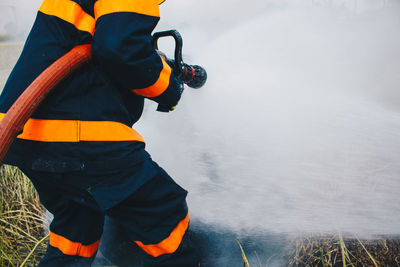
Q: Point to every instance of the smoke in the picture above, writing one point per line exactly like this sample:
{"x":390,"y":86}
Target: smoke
{"x":298,"y":126}
{"x":16,"y":18}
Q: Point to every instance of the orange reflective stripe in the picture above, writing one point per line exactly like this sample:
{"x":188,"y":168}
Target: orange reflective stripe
{"x":145,"y":7}
{"x":160,"y":85}
{"x":69,"y":11}
{"x":107,"y":131}
{"x":76,"y":131}
{"x":170,"y":244}
{"x":68,"y":247}
{"x":50,"y":131}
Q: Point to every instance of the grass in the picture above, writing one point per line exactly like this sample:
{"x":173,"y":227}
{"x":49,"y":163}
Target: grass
{"x":22,"y":238}
{"x":337,"y":251}
{"x":245,"y":261}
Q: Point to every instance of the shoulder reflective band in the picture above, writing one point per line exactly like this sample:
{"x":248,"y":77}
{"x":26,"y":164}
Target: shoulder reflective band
{"x":144,"y":7}
{"x":68,"y":247}
{"x":160,"y":85}
{"x":69,"y":11}
{"x":170,"y":244}
{"x":76,"y":131}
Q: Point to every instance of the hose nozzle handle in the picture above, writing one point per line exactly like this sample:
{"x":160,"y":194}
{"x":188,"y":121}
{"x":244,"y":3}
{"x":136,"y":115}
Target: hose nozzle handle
{"x":193,"y":76}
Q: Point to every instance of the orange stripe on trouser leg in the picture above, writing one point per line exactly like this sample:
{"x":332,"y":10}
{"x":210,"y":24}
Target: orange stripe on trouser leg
{"x":170,"y":244}
{"x":68,"y":247}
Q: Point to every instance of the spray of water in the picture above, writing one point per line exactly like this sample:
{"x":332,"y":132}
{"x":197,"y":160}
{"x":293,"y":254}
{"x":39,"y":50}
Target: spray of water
{"x":298,"y":126}
{"x":16,"y":17}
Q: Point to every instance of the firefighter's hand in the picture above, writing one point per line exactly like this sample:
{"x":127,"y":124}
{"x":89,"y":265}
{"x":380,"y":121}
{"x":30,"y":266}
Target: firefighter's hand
{"x":163,"y":108}
{"x":168,"y":107}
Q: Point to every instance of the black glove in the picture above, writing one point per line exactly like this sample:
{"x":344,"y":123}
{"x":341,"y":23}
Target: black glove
{"x":166,"y":108}
{"x":163,"y":108}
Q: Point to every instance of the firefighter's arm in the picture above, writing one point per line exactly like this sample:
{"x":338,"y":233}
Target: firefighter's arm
{"x":122,"y":45}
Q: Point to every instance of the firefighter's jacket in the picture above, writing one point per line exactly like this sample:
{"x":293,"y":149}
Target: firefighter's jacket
{"x":87,"y":120}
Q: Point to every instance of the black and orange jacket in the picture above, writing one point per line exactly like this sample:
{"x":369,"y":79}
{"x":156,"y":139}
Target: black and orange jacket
{"x":87,"y":120}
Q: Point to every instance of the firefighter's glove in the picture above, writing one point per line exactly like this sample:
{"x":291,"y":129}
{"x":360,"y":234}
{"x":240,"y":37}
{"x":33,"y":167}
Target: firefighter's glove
{"x":163,"y":108}
{"x":179,"y":83}
{"x":168,"y":108}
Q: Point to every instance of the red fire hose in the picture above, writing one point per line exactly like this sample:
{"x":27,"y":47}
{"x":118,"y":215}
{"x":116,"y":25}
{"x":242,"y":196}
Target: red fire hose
{"x":19,"y":113}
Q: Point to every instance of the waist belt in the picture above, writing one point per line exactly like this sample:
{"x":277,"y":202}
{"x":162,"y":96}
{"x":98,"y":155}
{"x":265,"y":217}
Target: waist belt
{"x":76,"y":131}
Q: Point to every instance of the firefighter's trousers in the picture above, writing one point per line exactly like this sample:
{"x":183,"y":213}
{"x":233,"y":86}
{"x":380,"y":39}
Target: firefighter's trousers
{"x":150,"y":207}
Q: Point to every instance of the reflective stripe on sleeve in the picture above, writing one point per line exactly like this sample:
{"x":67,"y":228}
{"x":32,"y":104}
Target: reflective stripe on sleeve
{"x":69,"y":11}
{"x":170,"y":244}
{"x":144,"y":7}
{"x":76,"y":131}
{"x":160,"y":85}
{"x":68,"y":247}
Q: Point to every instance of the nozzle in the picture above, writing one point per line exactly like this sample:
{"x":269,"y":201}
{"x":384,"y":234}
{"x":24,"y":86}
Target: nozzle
{"x":194,"y":76}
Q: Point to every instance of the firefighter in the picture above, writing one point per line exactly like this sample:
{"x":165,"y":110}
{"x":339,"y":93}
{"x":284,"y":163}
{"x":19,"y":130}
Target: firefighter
{"x":79,"y":148}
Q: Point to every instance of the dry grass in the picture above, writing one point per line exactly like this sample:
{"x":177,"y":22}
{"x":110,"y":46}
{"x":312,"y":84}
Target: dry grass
{"x":20,"y":220}
{"x":245,"y":261}
{"x":330,"y":250}
{"x":336,"y":251}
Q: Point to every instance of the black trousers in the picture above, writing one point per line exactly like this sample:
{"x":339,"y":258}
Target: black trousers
{"x":144,"y":200}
